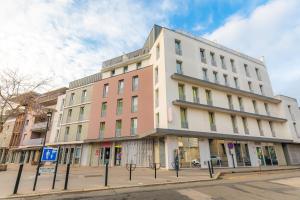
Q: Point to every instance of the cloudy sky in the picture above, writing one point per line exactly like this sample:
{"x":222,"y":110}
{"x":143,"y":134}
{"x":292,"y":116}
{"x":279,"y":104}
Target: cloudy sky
{"x":68,"y":39}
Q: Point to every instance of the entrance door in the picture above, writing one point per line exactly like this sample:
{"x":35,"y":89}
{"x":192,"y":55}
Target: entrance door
{"x":118,"y":156}
{"x":260,"y":156}
{"x":273,"y":155}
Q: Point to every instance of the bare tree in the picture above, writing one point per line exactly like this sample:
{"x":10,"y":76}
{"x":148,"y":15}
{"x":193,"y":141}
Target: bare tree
{"x":17,"y":92}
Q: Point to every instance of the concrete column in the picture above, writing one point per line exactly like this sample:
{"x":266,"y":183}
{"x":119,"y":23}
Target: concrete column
{"x":112,"y":155}
{"x":204,"y":152}
{"x":279,"y":154}
{"x":171,"y":144}
{"x":86,"y":152}
{"x":253,"y":155}
{"x":229,"y":153}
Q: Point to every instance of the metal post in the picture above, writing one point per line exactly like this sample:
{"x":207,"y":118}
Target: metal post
{"x":212,"y":167}
{"x":210,"y":174}
{"x":18,"y":178}
{"x":106,"y":173}
{"x":130,"y":168}
{"x":49,"y":114}
{"x":233,"y":160}
{"x":155,"y":170}
{"x":55,"y":170}
{"x":67,"y":177}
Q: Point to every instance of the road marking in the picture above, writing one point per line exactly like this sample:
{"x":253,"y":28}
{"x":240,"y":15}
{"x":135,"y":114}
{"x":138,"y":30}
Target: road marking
{"x":194,"y":194}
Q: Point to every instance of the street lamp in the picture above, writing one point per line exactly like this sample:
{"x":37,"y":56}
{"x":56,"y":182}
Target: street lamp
{"x":49,"y":115}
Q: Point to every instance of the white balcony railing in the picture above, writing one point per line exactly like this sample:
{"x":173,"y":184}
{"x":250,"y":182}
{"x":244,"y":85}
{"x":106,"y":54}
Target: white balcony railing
{"x":36,"y":141}
{"x":40,"y":126}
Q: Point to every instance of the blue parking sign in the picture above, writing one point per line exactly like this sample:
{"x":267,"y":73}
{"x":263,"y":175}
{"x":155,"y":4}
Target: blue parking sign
{"x":49,"y":154}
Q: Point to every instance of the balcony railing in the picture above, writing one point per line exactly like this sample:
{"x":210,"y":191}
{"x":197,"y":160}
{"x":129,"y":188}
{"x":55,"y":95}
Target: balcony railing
{"x":246,"y":131}
{"x":235,"y":130}
{"x":101,"y":134}
{"x":182,"y":97}
{"x":203,"y":60}
{"x":209,"y":102}
{"x":39,"y":127}
{"x":196,"y":99}
{"x":118,"y":132}
{"x":213,"y":63}
{"x":213,"y":127}
{"x":36,"y":141}
{"x":184,"y":124}
{"x":78,"y":137}
{"x":231,"y":106}
{"x":224,"y":65}
{"x":133,"y":131}
{"x":233,"y":68}
{"x":178,"y":51}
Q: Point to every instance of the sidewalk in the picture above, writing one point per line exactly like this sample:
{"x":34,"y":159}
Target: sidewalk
{"x":92,"y":178}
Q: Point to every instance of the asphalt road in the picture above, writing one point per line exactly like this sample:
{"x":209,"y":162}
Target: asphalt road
{"x":279,"y":185}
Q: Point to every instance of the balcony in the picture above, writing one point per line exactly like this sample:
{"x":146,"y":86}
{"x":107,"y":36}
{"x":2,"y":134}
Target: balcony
{"x":118,"y":133}
{"x":224,"y":65}
{"x":231,"y":106}
{"x":246,"y":131}
{"x":178,"y":51}
{"x":133,"y":131}
{"x":184,"y":124}
{"x":196,"y":99}
{"x":213,"y":127}
{"x":39,"y":127}
{"x":203,"y":60}
{"x":241,"y":108}
{"x":235,"y":130}
{"x":32,"y":142}
{"x":213,"y":63}
{"x":209,"y":102}
{"x":182,"y":97}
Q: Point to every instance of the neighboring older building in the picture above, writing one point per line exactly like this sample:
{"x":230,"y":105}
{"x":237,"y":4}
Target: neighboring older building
{"x":5,"y":138}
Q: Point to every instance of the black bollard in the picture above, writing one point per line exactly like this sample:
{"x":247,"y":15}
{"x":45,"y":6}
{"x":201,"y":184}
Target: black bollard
{"x":210,"y":174}
{"x":18,"y":178}
{"x":130,"y":169}
{"x":67,"y":176}
{"x":155,"y":170}
{"x":106,"y":173}
{"x":212,"y":167}
{"x":233,"y":160}
{"x":55,"y":170}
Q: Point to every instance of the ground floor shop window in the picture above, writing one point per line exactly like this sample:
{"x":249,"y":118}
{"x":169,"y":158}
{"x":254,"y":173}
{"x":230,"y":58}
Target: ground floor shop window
{"x":77,"y":155}
{"x":189,"y":154}
{"x":218,"y":153}
{"x":118,"y":155}
{"x":267,"y":155}
{"x":242,"y":154}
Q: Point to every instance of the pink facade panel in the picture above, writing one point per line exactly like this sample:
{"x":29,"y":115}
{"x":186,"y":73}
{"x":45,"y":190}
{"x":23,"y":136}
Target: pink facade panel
{"x":144,"y":113}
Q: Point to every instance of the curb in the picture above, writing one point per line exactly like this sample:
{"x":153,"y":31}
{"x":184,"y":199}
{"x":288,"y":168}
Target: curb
{"x":257,"y":170}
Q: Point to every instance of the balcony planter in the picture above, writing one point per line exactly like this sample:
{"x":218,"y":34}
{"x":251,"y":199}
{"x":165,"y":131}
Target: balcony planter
{"x":3,"y":167}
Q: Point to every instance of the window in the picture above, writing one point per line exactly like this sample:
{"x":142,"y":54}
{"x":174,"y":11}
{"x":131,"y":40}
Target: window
{"x":62,"y":104}
{"x":156,"y":75}
{"x":178,"y":50}
{"x":260,"y":128}
{"x":212,"y":121}
{"x":195,"y":95}
{"x":183,"y":118}
{"x":103,"y":109}
{"x":157,"y":51}
{"x":291,"y":114}
{"x":272,"y":129}
{"x":120,"y":86}
{"x":157,"y":120}
{"x":112,"y":72}
{"x":245,"y":124}
{"x":78,"y":134}
{"x":102,"y":130}
{"x":66,"y":136}
{"x":267,"y":108}
{"x":135,"y":83}
{"x":138,"y":65}
{"x":125,"y":69}
{"x":179,"y":67}
{"x":59,"y":120}
{"x":119,"y":106}
{"x":72,"y":98}
{"x":133,"y":126}
{"x":83,"y":95}
{"x":295,"y":128}
{"x":212,"y":58}
{"x":134,"y":104}
{"x":216,"y":77}
{"x":255,"y":106}
{"x":202,"y":54}
{"x":236,"y":83}
{"x":261,"y":89}
{"x":208,"y":97}
{"x":246,"y":70}
{"x":234,"y":124}
{"x":258,"y":74}
{"x":69,"y":115}
{"x":226,"y":79}
{"x":223,"y":62}
{"x":181,"y":92}
{"x":240,"y":100}
{"x":233,"y":68}
{"x":118,"y":128}
{"x":229,"y":99}
{"x":205,"y":76}
{"x":57,"y":136}
{"x":250,"y":86}
{"x":81,"y":114}
{"x":156,"y":98}
{"x":105,"y":90}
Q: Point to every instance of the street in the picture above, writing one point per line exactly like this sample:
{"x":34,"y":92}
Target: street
{"x":275,"y":185}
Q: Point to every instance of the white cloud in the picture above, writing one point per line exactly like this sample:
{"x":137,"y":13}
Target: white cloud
{"x":64,"y":41}
{"x":271,"y":30}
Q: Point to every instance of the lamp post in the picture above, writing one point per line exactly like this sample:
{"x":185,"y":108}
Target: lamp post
{"x":49,"y":115}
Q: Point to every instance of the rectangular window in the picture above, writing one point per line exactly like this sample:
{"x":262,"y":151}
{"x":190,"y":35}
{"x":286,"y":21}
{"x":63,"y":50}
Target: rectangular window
{"x":59,"y":120}
{"x":295,"y":128}
{"x":138,"y":65}
{"x":78,"y":134}
{"x":267,"y":109}
{"x":291,"y":114}
{"x":83,"y":95}
{"x":230,"y":104}
{"x":134,"y":104}
{"x":250,"y":86}
{"x":212,"y":58}
{"x":208,"y":97}
{"x":81,"y":114}
{"x":72,"y":98}
{"x":272,"y":129}
{"x":202,"y":55}
{"x":57,"y":136}
{"x":234,"y":124}
{"x":205,"y":76}
{"x":212,"y":121}
{"x":156,"y":98}
{"x":156,"y":75}
{"x":261,"y":88}
{"x":195,"y":95}
{"x":258,"y":74}
{"x":119,"y":106}
{"x":255,"y":106}
{"x":102,"y":130}
{"x":178,"y":49}
{"x":120,"y":86}
{"x":118,"y":128}
{"x":62,"y":104}
{"x":112,"y":72}
{"x":246,"y":70}
{"x":233,"y":68}
{"x":69,"y":115}
{"x":157,"y":51}
{"x":236,"y":83}
{"x":133,"y":126}
{"x":245,"y":124}
{"x":261,"y":132}
{"x":183,"y":118}
{"x":181,"y":92}
{"x":125,"y":69}
{"x":241,"y":103}
{"x":105,"y":90}
{"x":157,"y":120}
{"x":179,"y":67}
{"x":103,"y":109}
{"x":135,"y":83}
{"x":226,"y":79}
{"x":66,"y":136}
{"x":216,"y":77}
{"x":223,"y":62}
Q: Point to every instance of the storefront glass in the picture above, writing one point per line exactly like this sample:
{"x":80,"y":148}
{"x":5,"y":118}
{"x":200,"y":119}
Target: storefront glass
{"x":188,"y":151}
{"x":242,"y":154}
{"x":218,"y":153}
{"x":267,"y":155}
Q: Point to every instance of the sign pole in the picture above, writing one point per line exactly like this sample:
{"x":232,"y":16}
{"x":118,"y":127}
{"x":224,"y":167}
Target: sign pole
{"x":55,"y":170}
{"x":18,"y":178}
